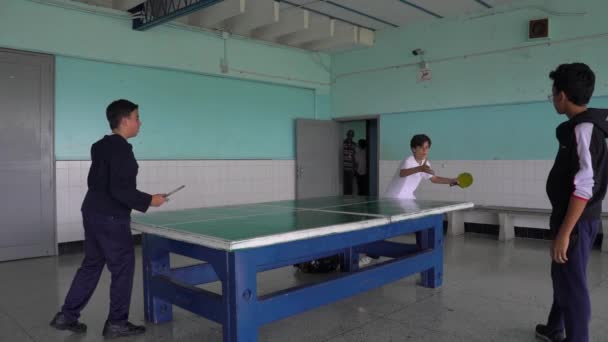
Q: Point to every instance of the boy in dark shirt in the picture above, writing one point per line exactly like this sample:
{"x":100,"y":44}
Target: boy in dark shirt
{"x":576,"y":187}
{"x":106,"y":212}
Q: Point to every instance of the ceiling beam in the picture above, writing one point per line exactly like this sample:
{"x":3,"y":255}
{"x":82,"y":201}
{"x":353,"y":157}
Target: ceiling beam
{"x":483,"y":3}
{"x":325,"y":14}
{"x":152,"y":13}
{"x":214,"y":15}
{"x":290,"y":21}
{"x":421,"y":9}
{"x":319,"y":27}
{"x":352,"y":10}
{"x":343,"y":36}
{"x":257,"y":13}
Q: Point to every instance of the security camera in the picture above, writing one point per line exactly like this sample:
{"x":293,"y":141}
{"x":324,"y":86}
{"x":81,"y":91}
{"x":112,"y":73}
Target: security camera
{"x":417,"y":52}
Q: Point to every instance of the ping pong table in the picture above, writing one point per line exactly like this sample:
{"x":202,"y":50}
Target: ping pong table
{"x":236,"y":242}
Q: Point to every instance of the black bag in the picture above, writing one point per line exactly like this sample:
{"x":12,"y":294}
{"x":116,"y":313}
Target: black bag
{"x":323,"y":265}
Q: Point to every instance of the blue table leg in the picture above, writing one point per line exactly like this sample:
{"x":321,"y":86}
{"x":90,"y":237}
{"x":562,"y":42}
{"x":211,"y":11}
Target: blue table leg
{"x":432,"y":238}
{"x":155,"y":261}
{"x":240,"y":299}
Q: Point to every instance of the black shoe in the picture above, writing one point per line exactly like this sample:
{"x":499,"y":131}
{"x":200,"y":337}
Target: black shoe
{"x":60,"y":322}
{"x":547,"y":334}
{"x":118,"y":330}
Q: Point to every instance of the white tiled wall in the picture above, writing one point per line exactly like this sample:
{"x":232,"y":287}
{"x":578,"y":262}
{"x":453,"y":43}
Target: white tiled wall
{"x":208,"y":183}
{"x":519,"y":183}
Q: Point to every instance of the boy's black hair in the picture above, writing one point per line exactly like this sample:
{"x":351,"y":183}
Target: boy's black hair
{"x":119,"y":109}
{"x":419,"y":140}
{"x":576,"y":80}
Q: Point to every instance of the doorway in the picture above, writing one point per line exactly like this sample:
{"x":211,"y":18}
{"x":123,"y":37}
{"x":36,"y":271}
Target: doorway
{"x":360,"y":157}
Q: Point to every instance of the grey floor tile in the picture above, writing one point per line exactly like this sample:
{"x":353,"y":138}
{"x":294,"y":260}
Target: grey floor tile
{"x":493,"y":291}
{"x":11,"y":330}
{"x":392,"y":331}
{"x":473,"y":317}
{"x":317,"y":324}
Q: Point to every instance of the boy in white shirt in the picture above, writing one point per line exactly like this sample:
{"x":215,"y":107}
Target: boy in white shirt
{"x":414,"y":169}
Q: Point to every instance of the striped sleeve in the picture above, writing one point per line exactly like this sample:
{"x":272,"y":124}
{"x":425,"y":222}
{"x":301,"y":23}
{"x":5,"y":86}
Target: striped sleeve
{"x":583,"y":180}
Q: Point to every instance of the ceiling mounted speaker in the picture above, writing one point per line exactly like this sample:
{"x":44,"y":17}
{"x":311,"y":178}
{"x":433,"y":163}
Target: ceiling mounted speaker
{"x":538,"y":29}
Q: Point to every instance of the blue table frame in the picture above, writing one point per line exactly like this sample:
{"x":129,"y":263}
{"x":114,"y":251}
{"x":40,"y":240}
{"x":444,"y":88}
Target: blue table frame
{"x":241,"y":311}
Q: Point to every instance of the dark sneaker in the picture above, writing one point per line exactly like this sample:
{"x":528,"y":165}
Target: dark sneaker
{"x":118,"y":330}
{"x":60,"y":322}
{"x":547,"y":334}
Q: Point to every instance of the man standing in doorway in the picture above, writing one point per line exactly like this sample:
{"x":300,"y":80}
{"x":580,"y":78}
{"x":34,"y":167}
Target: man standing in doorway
{"x":348,"y":157}
{"x":361,"y":161}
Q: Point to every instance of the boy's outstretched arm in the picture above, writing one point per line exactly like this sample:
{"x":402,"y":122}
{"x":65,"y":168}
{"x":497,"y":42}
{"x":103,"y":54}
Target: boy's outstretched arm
{"x":410,"y":171}
{"x":443,"y":180}
{"x":422,"y":168}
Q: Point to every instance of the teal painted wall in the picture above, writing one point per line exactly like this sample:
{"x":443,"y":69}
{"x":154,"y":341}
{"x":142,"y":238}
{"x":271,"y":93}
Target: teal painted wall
{"x":184,"y":115}
{"x":77,"y":30}
{"x":507,"y":132}
{"x":323,"y":106}
{"x":483,"y":75}
{"x":170,"y":71}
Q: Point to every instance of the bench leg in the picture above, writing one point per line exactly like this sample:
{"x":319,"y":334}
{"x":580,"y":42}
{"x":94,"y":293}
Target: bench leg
{"x":506,"y":229}
{"x":455,"y":223}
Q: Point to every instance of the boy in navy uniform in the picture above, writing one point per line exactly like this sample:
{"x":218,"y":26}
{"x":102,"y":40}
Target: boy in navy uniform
{"x":576,"y":187}
{"x":106,"y":211}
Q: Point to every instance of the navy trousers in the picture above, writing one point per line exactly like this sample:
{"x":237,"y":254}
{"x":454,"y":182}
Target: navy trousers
{"x":108,"y":242}
{"x":571,"y":308}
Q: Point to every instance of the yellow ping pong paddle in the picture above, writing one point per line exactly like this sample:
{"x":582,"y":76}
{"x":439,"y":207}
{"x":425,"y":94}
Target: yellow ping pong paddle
{"x":465,"y":180}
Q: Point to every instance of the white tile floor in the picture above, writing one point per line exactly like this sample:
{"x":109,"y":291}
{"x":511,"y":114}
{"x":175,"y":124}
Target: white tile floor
{"x":492,"y":292}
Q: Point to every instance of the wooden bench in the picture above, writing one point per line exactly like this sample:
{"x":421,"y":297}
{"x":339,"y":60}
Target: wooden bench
{"x":506,"y":218}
